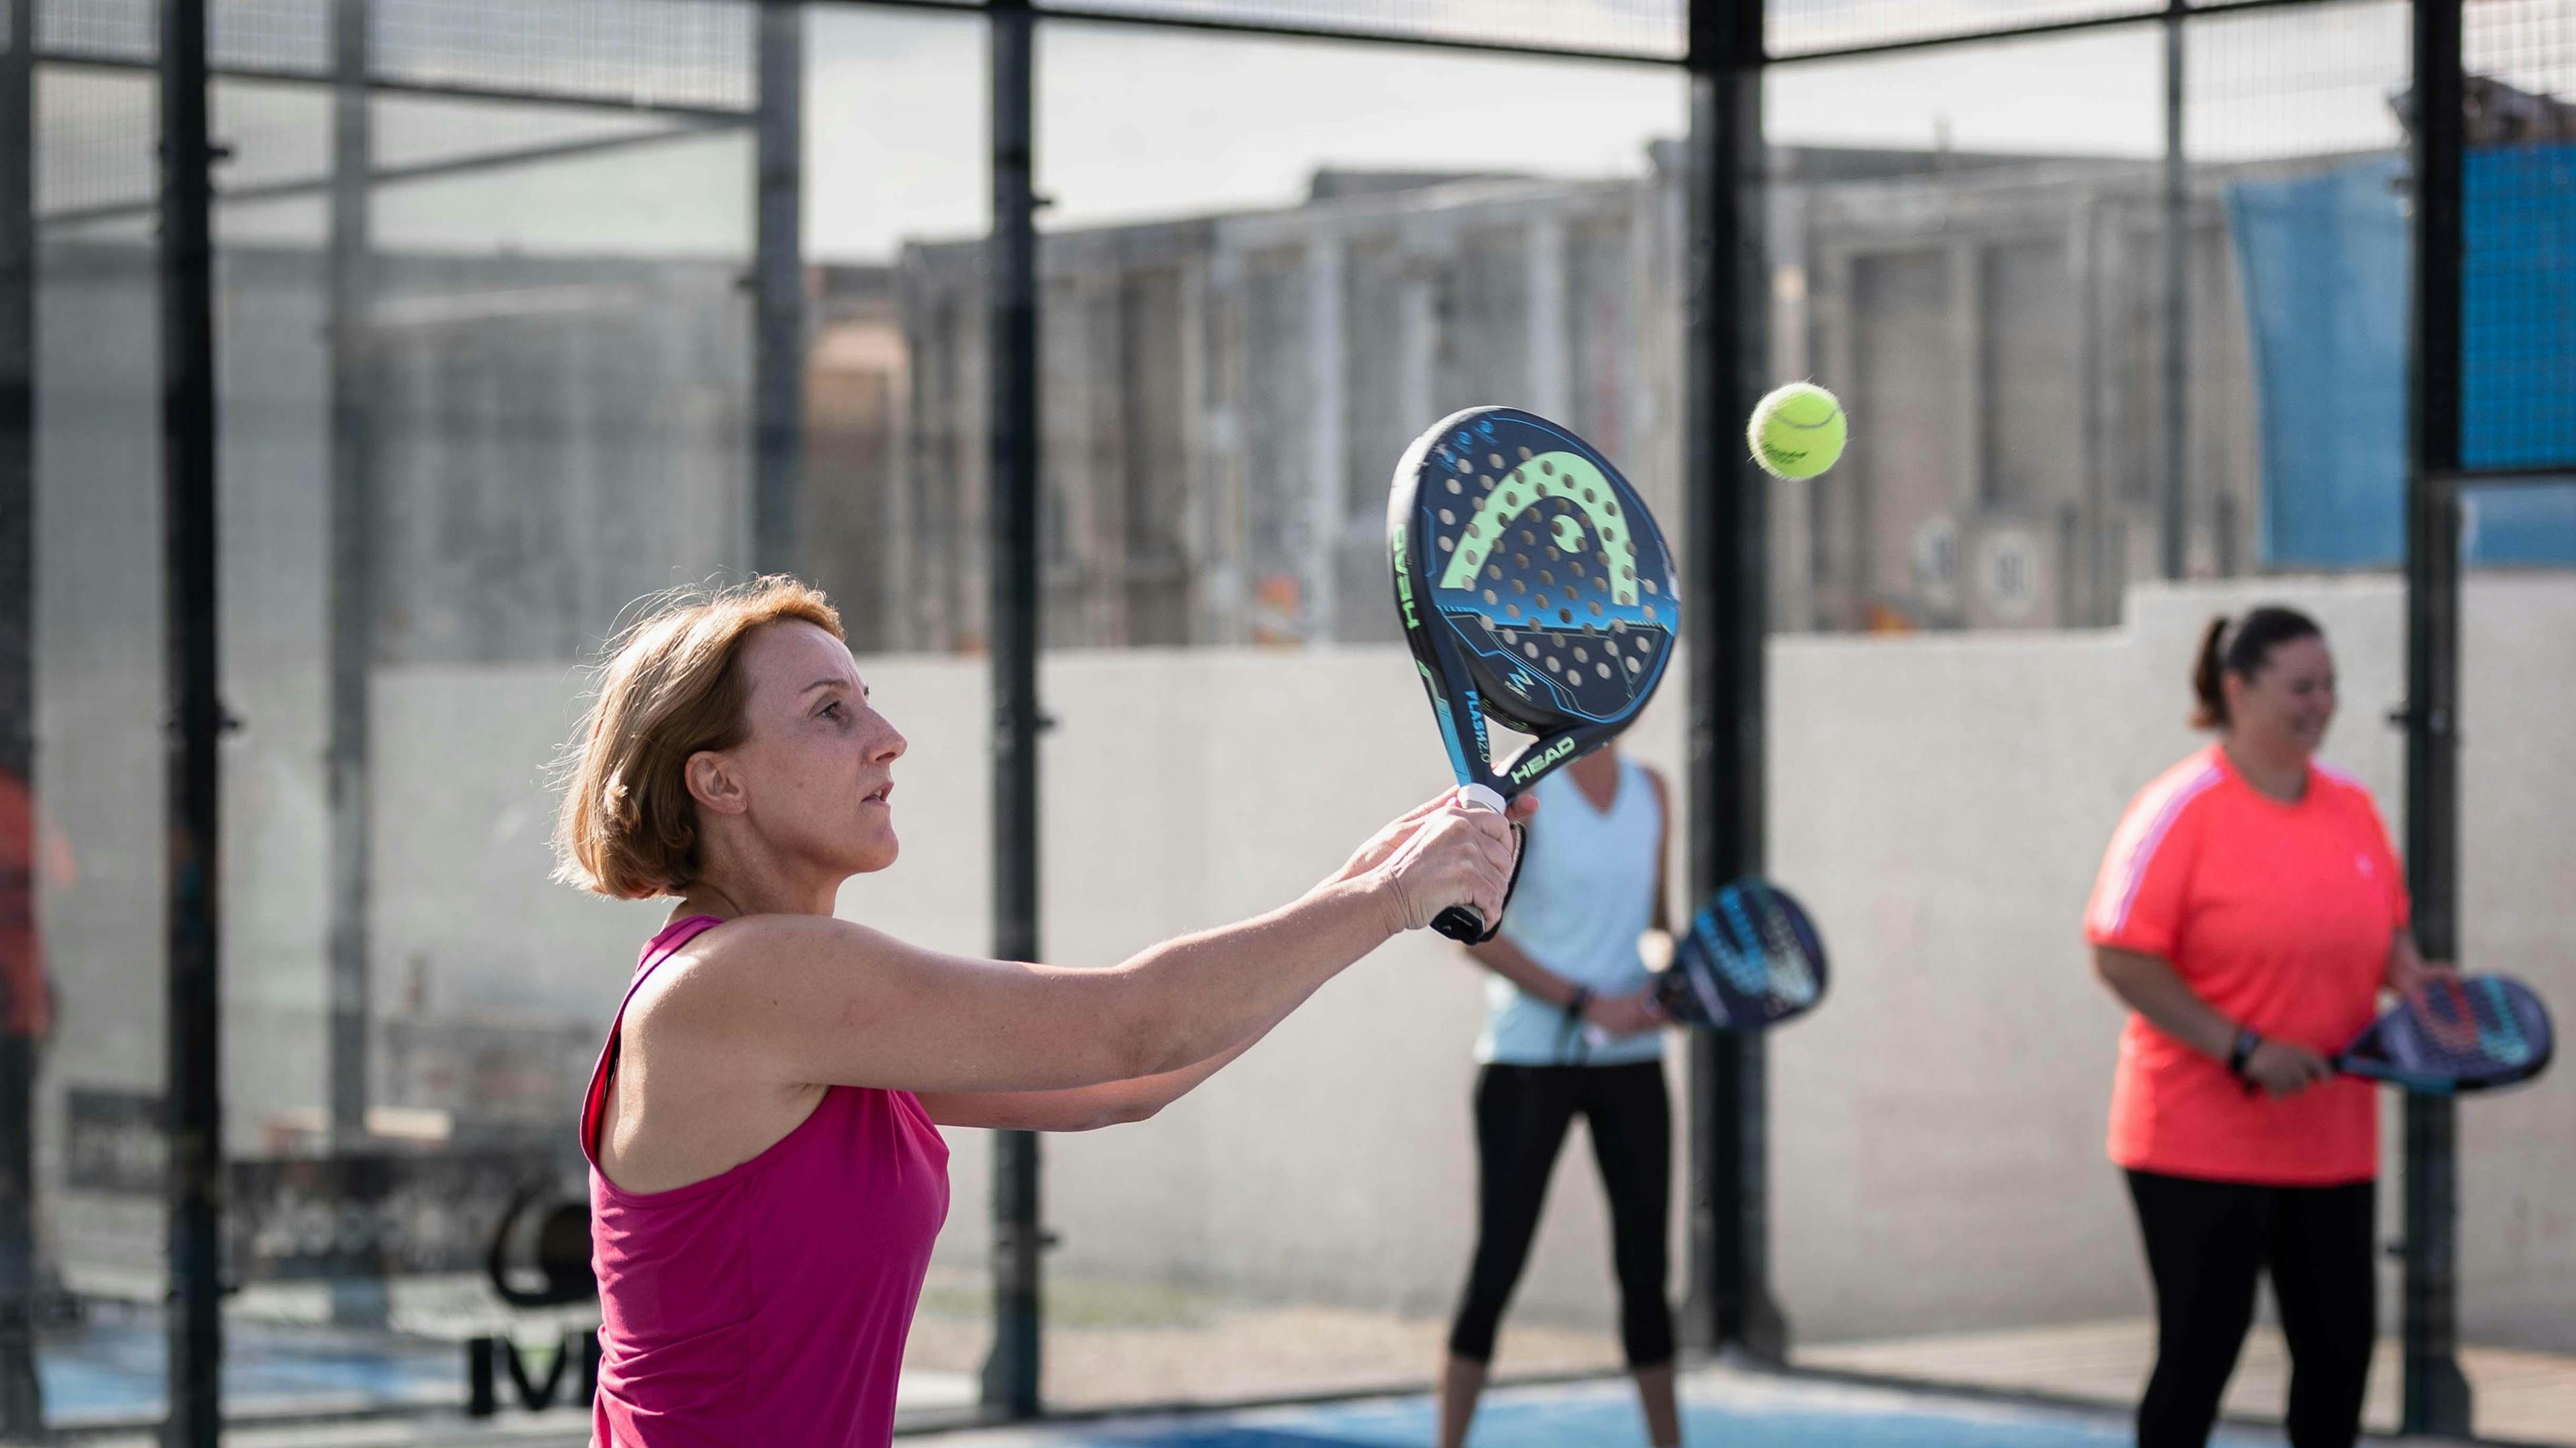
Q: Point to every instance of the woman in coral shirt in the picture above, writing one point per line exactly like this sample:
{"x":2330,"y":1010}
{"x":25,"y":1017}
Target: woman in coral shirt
{"x":2249,"y":912}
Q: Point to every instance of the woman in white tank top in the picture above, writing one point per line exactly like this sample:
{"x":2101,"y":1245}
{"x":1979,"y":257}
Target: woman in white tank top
{"x":1570,"y":1029}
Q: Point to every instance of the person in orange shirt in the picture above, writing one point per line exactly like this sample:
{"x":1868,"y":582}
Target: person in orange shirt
{"x":2249,"y":911}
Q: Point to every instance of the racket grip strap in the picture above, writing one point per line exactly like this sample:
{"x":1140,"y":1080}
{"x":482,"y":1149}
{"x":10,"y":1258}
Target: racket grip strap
{"x":1483,"y":797}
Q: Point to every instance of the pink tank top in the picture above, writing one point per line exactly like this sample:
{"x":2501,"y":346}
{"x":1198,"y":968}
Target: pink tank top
{"x":767,"y":1304}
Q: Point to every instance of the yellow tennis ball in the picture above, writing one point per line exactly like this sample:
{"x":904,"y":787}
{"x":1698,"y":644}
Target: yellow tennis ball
{"x":1797,"y":431}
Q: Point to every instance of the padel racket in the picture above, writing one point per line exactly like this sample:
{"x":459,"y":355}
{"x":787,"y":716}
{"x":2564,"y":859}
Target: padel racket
{"x":1535,"y":590}
{"x":1750,"y":959}
{"x":2464,"y":1033}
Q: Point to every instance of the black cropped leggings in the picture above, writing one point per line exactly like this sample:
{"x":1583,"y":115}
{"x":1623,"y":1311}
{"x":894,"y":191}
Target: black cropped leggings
{"x":2206,"y":1243}
{"x":1522,"y":1113}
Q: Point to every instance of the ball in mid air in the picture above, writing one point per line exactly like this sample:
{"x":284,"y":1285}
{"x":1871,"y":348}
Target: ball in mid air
{"x":1797,"y":431}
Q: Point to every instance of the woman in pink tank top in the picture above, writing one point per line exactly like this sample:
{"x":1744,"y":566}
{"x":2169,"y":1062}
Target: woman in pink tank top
{"x":766,"y":1167}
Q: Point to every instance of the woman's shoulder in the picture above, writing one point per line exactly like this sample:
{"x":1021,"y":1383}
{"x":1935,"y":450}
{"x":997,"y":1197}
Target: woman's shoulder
{"x":2183,"y":784}
{"x":674,"y":978}
{"x":699,"y":980}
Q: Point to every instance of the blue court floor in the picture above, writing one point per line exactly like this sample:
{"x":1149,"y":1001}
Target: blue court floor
{"x":1720,"y":1410}
{"x":112,"y":1373}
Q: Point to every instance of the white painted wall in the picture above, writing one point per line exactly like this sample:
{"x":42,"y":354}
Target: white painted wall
{"x":1941,"y":802}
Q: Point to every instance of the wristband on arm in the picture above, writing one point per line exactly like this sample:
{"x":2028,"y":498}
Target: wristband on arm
{"x":2247,"y":1038}
{"x":1574,"y":1006}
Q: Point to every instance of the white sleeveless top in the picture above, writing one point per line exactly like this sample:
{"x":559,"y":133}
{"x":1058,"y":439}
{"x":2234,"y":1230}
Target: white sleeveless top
{"x":1587,"y":891}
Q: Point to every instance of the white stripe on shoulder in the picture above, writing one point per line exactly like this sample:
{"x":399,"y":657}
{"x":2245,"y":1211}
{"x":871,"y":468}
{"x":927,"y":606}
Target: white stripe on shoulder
{"x":2142,"y":832}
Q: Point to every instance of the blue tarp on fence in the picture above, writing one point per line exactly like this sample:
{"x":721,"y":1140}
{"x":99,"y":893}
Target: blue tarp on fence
{"x":2518,"y":308}
{"x":2324,"y":264}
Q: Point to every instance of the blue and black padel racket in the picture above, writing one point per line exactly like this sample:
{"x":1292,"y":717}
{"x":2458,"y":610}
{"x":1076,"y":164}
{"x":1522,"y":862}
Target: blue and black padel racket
{"x":1750,"y":960}
{"x":1535,"y":591}
{"x":2464,"y":1033}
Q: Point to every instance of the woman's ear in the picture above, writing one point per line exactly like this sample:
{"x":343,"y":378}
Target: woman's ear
{"x":714,"y":783}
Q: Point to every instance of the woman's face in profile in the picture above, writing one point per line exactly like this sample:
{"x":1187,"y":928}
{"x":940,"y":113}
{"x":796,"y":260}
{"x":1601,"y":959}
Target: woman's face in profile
{"x":2289,"y":700}
{"x":818,"y":766}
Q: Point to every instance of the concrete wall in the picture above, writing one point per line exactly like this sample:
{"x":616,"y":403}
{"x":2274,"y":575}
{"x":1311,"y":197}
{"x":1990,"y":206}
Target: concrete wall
{"x":1941,"y":802}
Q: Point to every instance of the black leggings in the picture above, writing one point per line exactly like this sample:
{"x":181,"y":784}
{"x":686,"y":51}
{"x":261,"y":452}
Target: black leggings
{"x":2206,"y":1242}
{"x":1521,"y":1116}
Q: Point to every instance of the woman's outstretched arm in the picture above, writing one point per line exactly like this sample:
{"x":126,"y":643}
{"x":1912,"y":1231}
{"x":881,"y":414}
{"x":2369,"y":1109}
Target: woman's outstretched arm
{"x":1112,"y":1103}
{"x":798,"y":1000}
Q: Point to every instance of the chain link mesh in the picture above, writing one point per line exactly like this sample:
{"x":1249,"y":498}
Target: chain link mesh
{"x":94,"y":137}
{"x":1647,"y":28}
{"x":676,"y":52}
{"x":267,"y":35}
{"x":1794,"y":27}
{"x":2298,"y":81}
{"x":2518,"y":282}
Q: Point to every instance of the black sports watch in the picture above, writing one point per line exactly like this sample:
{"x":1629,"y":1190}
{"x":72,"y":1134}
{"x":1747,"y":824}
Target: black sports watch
{"x":2247,"y":1038}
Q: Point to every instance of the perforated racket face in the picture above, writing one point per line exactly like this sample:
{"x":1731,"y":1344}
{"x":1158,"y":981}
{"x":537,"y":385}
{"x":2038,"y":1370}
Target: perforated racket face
{"x":1752,"y":958}
{"x":2472,"y":1033}
{"x":1550,"y":575}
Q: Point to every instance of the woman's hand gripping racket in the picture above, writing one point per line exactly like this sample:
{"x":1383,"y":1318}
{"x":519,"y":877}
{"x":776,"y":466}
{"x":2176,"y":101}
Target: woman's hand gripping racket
{"x":1535,"y":590}
{"x":1751,"y":959}
{"x":2459,"y":1033}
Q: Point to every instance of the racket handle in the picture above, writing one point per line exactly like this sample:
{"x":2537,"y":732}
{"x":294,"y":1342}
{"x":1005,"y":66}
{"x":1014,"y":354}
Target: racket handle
{"x":1462,"y":923}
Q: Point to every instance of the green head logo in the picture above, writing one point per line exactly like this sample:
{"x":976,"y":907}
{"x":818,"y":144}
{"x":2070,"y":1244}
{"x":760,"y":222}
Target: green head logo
{"x":1530,"y":768}
{"x":1569,"y":479}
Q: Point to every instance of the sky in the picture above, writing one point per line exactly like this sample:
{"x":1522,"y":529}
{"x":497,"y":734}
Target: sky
{"x":1138,"y":124}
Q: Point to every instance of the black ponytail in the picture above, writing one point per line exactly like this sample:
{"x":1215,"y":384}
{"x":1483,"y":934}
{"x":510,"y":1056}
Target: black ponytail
{"x":2240,"y":647}
{"x":2209,"y":710}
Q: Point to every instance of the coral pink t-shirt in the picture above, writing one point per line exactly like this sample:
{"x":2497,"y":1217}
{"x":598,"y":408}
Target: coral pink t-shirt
{"x":2280,"y":916}
{"x":767,"y":1304}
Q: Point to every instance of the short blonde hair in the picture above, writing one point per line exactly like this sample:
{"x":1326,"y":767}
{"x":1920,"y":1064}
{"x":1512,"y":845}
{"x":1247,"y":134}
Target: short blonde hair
{"x":668,"y":688}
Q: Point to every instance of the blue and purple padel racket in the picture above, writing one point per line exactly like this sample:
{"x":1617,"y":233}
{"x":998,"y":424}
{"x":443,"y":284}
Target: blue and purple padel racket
{"x":2465,"y":1033}
{"x":1535,"y":591}
{"x":1750,"y":960}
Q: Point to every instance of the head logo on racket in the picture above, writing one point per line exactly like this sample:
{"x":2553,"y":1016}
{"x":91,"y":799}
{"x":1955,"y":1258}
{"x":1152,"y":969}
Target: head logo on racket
{"x":1534,"y":589}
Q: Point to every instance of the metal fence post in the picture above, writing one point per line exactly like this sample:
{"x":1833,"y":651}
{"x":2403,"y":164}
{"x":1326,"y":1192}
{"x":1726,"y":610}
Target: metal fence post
{"x":1011,"y":1374}
{"x":778,"y":293}
{"x":22,"y":1405}
{"x":1725,"y":522}
{"x":355,"y":1300}
{"x":2176,"y":359}
{"x":195,"y":720}
{"x":2436,"y":1395}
